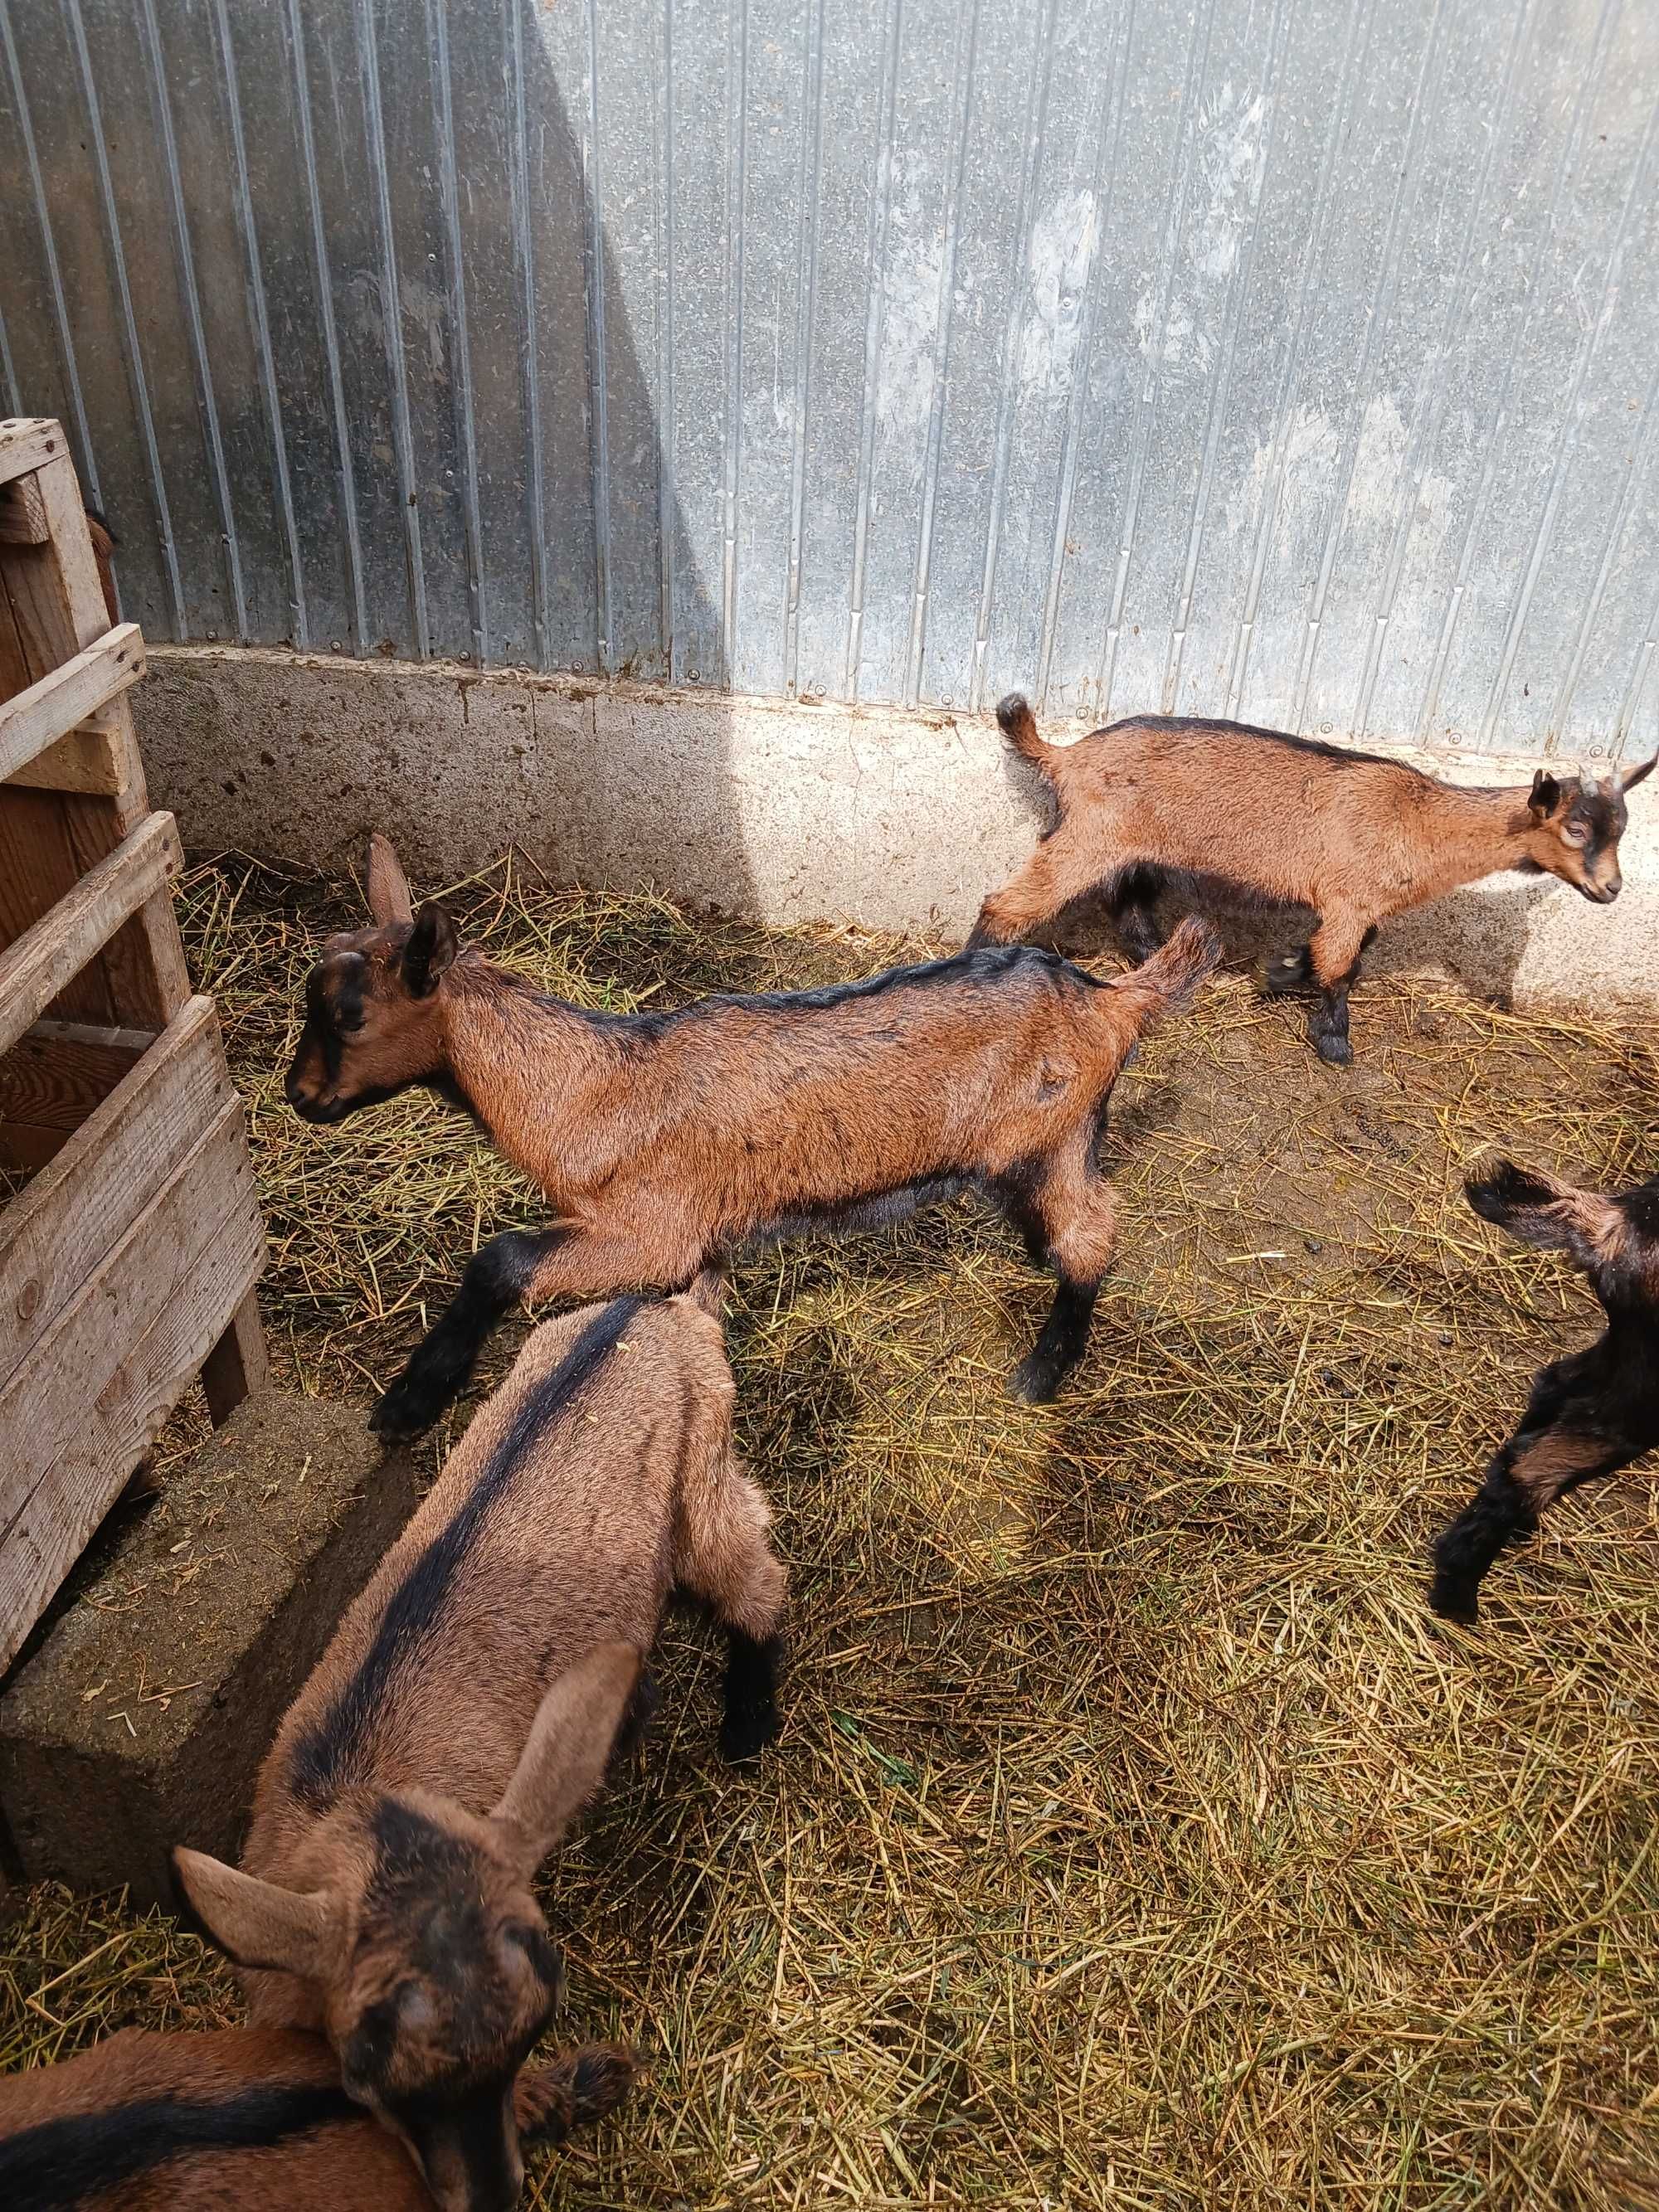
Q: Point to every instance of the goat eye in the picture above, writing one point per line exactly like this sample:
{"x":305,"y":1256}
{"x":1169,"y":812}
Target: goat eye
{"x":1576,"y":834}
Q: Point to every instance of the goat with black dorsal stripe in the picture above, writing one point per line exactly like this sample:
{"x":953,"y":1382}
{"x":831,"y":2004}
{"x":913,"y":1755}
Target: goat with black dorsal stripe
{"x":666,"y":1141}
{"x":1589,"y":1414}
{"x":239,"y":2120}
{"x":1176,"y":804}
{"x":466,"y":1709}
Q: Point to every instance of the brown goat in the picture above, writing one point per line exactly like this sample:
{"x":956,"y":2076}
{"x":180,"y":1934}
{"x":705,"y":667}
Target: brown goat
{"x":103,"y":551}
{"x":666,"y":1141}
{"x":466,"y":1709}
{"x":239,"y":2120}
{"x":1589,"y":1414}
{"x":1197,"y":807}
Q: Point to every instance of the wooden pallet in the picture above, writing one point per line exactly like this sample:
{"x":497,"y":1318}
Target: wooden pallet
{"x":128,"y":1255}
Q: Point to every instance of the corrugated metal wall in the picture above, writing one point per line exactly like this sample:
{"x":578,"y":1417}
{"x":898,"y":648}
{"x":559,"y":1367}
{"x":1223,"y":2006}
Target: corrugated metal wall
{"x":1288,"y":358}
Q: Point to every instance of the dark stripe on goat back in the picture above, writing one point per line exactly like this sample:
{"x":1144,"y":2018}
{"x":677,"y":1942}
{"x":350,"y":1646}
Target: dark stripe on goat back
{"x":64,"y":2162}
{"x":1210,"y":726}
{"x":324,"y":1758}
{"x":990,"y":964}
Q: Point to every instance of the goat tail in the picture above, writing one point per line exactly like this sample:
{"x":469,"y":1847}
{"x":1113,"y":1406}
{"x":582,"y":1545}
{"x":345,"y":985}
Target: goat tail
{"x":1168,"y":983}
{"x":1018,"y":725}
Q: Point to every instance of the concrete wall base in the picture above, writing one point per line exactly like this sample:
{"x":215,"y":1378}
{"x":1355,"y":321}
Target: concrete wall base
{"x":141,"y":1720}
{"x":787,"y":811}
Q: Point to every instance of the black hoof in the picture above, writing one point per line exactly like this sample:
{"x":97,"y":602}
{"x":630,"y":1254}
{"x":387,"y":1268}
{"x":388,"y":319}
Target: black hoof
{"x":1455,"y":1602}
{"x":1289,"y":972}
{"x":406,"y":1410}
{"x":1036,"y":1380}
{"x":746,"y":1730}
{"x":1335,"y":1051}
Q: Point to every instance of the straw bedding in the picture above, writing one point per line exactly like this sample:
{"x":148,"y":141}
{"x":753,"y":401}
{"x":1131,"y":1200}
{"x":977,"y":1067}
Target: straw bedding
{"x":1136,"y":1839}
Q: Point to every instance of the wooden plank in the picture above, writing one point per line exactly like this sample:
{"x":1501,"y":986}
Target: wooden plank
{"x":55,"y":1234}
{"x":23,"y":514}
{"x":38,"y":866}
{"x":238,"y":1365}
{"x":54,"y":1077}
{"x":56,"y":600}
{"x":89,"y":762}
{"x":28,"y":441}
{"x":81,"y":1410}
{"x":36,"y":968}
{"x":59,"y":703}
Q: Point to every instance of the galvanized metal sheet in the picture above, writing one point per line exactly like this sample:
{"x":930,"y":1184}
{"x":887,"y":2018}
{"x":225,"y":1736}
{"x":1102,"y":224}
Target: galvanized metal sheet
{"x":1292,"y":359}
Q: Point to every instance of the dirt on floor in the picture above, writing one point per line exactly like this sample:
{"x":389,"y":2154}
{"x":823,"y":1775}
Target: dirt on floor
{"x":1137,"y":1838}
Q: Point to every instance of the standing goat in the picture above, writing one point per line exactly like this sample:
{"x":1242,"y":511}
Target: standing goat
{"x":243,"y":2119}
{"x":666,"y":1141}
{"x":1589,"y":1414}
{"x":1200,"y":807}
{"x":464,"y":1709}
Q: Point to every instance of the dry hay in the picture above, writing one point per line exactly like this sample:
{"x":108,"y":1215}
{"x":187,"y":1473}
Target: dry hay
{"x":1137,"y":1838}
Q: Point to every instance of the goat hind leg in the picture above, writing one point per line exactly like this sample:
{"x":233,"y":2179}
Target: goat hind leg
{"x":1334,"y":954}
{"x":1072,"y":1224}
{"x":1060,"y":870}
{"x":1524,"y":1480}
{"x":727,"y":1558}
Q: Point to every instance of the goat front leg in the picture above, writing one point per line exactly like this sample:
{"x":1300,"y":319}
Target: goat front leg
{"x":1334,"y":957}
{"x":534,"y":1265}
{"x":1524,"y":1480}
{"x":573,"y":2090}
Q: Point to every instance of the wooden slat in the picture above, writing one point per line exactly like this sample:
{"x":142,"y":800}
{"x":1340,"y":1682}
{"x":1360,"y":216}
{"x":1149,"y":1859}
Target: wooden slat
{"x":37,"y":967}
{"x":84,"y":1405}
{"x":52,"y":708}
{"x":54,"y":1077}
{"x":238,"y":1365}
{"x":54,"y":607}
{"x":23,"y":514}
{"x":84,"y":762}
{"x":55,"y":1234}
{"x":28,"y":441}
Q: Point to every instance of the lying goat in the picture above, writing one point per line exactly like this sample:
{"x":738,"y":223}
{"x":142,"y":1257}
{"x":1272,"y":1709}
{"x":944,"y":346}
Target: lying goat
{"x":464,"y":1709}
{"x":1589,"y":1414}
{"x":242,"y":2120}
{"x":1198,"y":807}
{"x":666,"y":1141}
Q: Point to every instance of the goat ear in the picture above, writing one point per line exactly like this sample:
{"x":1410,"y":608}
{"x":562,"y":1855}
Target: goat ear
{"x":565,"y":1757}
{"x":1629,"y":782}
{"x":432,"y":946}
{"x":389,"y":896}
{"x":1546,"y":794}
{"x":1556,"y":1216}
{"x":256,"y":1923}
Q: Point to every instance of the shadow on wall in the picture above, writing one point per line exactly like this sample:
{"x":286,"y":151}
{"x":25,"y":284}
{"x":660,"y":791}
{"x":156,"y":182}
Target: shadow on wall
{"x":479,"y":480}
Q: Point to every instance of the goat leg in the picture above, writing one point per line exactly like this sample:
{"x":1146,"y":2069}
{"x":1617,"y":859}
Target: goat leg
{"x":494,"y":1280}
{"x":1526,"y":1477}
{"x":1060,"y":1344}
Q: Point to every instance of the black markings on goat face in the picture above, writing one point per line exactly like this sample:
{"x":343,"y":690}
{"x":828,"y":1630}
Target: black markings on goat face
{"x":452,"y":1981}
{"x":371,"y":1027}
{"x":1583,"y":821}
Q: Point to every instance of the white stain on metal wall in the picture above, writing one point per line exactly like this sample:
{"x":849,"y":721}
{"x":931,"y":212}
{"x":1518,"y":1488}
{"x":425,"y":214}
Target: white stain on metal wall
{"x":1286,"y":358}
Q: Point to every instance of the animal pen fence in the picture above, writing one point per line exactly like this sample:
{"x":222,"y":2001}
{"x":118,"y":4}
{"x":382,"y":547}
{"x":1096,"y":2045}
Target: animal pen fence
{"x":132,"y":1240}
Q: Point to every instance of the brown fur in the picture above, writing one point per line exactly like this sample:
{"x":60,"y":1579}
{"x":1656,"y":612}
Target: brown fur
{"x":250,"y":2083}
{"x":1352,"y":837}
{"x":664,"y":1141}
{"x":103,"y":551}
{"x":409,"y":1796}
